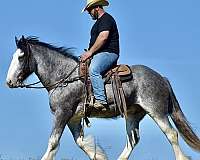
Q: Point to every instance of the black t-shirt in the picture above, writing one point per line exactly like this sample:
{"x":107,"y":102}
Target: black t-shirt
{"x":106,"y":23}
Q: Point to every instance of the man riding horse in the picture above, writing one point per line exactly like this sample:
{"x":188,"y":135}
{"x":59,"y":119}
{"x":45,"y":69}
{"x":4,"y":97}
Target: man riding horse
{"x":103,"y":48}
{"x":148,"y":93}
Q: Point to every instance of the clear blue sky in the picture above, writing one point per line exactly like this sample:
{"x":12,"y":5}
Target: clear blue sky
{"x":164,"y":35}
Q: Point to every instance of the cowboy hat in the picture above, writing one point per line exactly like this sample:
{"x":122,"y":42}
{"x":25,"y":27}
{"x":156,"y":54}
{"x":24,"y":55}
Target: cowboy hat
{"x":92,"y":3}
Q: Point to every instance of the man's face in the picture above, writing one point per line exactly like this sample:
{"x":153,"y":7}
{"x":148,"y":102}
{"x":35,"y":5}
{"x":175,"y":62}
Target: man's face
{"x":93,"y":13}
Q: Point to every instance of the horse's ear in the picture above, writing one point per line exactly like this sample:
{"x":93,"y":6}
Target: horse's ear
{"x":23,"y":38}
{"x":16,"y":41}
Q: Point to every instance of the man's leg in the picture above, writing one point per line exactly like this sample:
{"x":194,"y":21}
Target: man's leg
{"x":100,"y":63}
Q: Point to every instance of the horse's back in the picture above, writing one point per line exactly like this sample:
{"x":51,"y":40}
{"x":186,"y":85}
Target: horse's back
{"x":144,"y":75}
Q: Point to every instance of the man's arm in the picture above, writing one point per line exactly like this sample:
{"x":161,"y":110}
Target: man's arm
{"x":100,"y":41}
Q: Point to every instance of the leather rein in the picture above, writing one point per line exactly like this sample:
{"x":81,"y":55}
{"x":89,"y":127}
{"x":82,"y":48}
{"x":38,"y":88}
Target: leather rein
{"x":61,"y":83}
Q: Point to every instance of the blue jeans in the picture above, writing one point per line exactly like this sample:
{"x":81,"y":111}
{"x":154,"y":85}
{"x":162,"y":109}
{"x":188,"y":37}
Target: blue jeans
{"x":100,"y":63}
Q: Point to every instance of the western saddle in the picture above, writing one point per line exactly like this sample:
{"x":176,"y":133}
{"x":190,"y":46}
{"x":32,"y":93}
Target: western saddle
{"x":115,"y":76}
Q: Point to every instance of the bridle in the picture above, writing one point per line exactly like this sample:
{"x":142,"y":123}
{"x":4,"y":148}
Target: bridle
{"x":25,"y":66}
{"x":61,"y":83}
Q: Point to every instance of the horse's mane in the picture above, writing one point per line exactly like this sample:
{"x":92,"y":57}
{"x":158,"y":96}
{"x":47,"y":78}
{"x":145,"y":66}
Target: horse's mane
{"x":62,"y":50}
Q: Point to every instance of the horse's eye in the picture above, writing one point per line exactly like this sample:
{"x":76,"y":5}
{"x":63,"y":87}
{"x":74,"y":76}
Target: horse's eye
{"x":21,"y":55}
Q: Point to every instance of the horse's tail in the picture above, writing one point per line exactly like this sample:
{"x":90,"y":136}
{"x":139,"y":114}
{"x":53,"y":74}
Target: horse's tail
{"x":182,"y":124}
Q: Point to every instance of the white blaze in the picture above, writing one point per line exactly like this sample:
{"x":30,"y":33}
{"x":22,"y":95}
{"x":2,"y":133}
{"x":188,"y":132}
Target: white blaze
{"x":14,"y":66}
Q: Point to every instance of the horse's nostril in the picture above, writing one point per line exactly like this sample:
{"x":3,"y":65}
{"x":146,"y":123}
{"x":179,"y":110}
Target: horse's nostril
{"x":9,"y":83}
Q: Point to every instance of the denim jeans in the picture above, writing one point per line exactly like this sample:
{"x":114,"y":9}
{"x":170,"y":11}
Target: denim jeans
{"x":100,"y":63}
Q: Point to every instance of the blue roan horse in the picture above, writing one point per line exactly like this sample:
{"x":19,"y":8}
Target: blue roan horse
{"x":147,"y":93}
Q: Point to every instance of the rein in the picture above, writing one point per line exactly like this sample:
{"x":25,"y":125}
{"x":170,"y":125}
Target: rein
{"x":61,"y":83}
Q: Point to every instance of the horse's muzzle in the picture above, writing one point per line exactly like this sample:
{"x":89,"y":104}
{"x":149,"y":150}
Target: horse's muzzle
{"x":12,"y":85}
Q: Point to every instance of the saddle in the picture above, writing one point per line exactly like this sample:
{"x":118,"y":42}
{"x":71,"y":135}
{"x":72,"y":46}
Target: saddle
{"x":115,"y":76}
{"x":123,"y":71}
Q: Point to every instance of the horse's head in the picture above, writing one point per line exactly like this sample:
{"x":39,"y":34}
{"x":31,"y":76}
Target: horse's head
{"x":20,"y":67}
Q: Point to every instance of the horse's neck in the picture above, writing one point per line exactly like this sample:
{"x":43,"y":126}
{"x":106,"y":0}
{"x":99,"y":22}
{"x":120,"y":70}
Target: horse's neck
{"x":52,"y":67}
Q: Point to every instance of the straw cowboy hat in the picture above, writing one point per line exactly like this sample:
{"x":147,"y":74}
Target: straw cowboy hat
{"x":91,"y":3}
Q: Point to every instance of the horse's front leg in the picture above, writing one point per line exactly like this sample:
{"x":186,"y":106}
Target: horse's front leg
{"x":87,"y":144}
{"x":61,"y":118}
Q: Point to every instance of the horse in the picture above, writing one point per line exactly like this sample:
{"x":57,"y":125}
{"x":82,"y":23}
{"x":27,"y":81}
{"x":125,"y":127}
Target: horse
{"x":148,"y":93}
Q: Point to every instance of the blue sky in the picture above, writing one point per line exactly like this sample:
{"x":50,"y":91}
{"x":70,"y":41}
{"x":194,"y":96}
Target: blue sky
{"x":164,"y":35}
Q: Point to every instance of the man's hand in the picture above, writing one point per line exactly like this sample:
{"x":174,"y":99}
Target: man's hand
{"x":100,"y":41}
{"x":86,"y":55}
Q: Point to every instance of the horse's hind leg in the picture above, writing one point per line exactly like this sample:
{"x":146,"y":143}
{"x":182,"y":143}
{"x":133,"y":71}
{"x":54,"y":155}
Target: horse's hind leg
{"x":87,"y":144}
{"x":171,"y":135}
{"x":132,"y":130}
